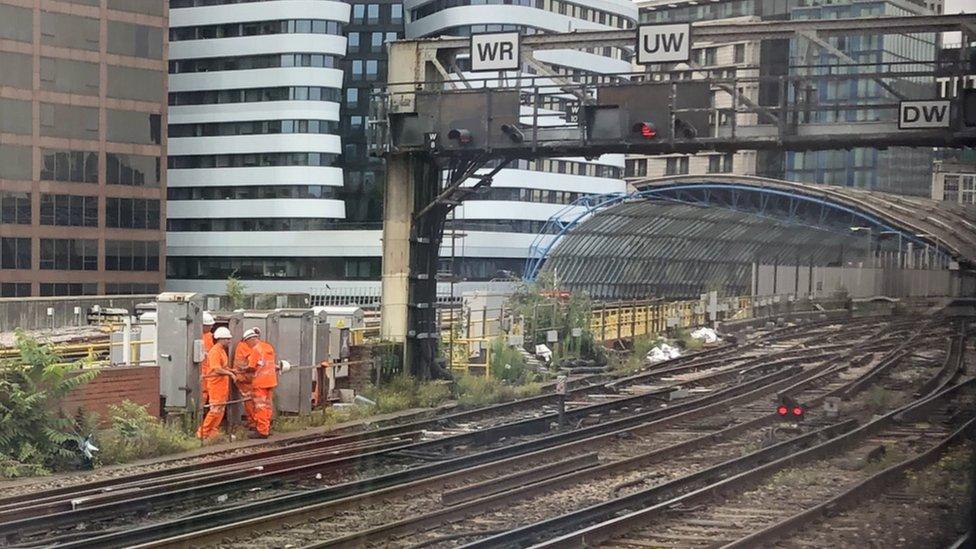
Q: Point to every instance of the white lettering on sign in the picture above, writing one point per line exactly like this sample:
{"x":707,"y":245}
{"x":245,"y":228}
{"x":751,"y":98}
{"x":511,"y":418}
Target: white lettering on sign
{"x":497,"y":51}
{"x":663,"y":43}
{"x":913,"y":115}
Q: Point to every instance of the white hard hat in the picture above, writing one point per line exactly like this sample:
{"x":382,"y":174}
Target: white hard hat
{"x":249,"y":334}
{"x":208,"y":319}
{"x":222,"y":333}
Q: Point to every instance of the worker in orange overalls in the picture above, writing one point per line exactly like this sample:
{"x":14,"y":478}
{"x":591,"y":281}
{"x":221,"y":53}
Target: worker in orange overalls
{"x":217,"y":378}
{"x":208,"y":337}
{"x":264,"y":362}
{"x":208,"y":342}
{"x":244,"y":368}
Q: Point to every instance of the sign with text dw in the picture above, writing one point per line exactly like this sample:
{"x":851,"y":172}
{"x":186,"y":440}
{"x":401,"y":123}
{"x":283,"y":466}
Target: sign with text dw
{"x":663,"y":43}
{"x":914,"y":115}
{"x":498,"y":51}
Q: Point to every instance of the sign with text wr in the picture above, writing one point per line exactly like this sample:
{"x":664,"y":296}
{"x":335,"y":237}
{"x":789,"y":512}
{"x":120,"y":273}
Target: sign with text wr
{"x":663,"y":43}
{"x":914,"y":115}
{"x":498,"y":51}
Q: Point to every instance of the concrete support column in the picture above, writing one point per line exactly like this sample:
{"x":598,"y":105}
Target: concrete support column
{"x":398,"y":206}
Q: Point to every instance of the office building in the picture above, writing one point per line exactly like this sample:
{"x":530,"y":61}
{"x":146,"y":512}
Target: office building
{"x":899,"y":170}
{"x":304,"y":212}
{"x":255,"y":189}
{"x":82,"y":151}
{"x":954,"y":182}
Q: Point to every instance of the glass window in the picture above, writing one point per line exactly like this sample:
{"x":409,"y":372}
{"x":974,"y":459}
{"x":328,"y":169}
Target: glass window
{"x":70,"y":166}
{"x":352,"y":97}
{"x":15,"y":208}
{"x":372,"y":13}
{"x":67,"y":210}
{"x":396,"y":13}
{"x":15,"y":253}
{"x":69,"y":254}
{"x":739,"y":53}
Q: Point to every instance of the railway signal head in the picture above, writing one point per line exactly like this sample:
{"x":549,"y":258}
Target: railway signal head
{"x":645,"y":130}
{"x":789,"y":408}
{"x":513,"y":133}
{"x":462,"y":136}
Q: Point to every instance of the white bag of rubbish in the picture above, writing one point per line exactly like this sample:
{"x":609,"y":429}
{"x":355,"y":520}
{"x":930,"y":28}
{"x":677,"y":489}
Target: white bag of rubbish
{"x":705,"y":334}
{"x":662,"y":352}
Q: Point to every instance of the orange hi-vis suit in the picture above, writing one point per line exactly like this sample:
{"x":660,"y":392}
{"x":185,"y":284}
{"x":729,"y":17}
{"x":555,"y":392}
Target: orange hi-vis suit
{"x":245,"y":372}
{"x":208,"y":343}
{"x":264,"y":381}
{"x":218,"y":388}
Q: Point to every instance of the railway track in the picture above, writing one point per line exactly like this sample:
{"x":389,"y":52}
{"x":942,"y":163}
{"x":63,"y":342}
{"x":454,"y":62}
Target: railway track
{"x":736,"y":511}
{"x":107,"y":513}
{"x":525,"y":457}
{"x":624,"y":465}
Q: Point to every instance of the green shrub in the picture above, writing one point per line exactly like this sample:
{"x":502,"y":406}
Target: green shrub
{"x":432,"y":394}
{"x":136,"y":434}
{"x":236,"y":292}
{"x":475,"y":391}
{"x":35,"y":437}
{"x":402,"y":393}
{"x":508,"y":364}
{"x":687,"y":342}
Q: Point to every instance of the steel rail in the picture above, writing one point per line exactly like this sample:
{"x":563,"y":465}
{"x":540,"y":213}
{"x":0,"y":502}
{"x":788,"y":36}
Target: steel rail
{"x":192,"y":539}
{"x":189,"y":477}
{"x":602,"y":531}
{"x":213,"y":534}
{"x":458,"y":512}
{"x":262,"y":509}
{"x":866,"y":489}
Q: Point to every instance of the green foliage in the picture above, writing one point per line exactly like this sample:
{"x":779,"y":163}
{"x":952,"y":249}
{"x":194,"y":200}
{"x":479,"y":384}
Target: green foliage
{"x":35,"y":436}
{"x":472,"y":391}
{"x":137,"y":434}
{"x":402,"y":393}
{"x":687,"y":342}
{"x":508,"y":364}
{"x":631,"y":362}
{"x":323,"y":417}
{"x":235,"y":292}
{"x":542,"y":309}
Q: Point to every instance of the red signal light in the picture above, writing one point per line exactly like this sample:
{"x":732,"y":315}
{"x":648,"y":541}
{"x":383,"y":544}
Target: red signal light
{"x":797,"y":411}
{"x":646,"y":130}
{"x":782,"y":410}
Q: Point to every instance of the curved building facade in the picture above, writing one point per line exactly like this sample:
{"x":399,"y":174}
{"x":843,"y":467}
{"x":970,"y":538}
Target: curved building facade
{"x":500,"y":224}
{"x":254,"y":189}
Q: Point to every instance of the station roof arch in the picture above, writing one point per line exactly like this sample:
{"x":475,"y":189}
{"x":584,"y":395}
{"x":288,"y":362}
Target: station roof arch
{"x":676,"y":236}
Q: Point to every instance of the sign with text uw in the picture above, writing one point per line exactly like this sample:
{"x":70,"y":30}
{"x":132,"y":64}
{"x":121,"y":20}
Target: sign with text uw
{"x":497,"y":51}
{"x":670,"y":43}
{"x":917,"y":115}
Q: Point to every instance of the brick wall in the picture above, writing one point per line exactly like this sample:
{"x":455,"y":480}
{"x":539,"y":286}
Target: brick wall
{"x":112,"y":386}
{"x":360,"y":367}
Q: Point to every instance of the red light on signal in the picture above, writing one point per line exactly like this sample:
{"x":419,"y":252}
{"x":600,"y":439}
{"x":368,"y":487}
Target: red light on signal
{"x":782,"y":410}
{"x":646,"y":130}
{"x":797,"y":411}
